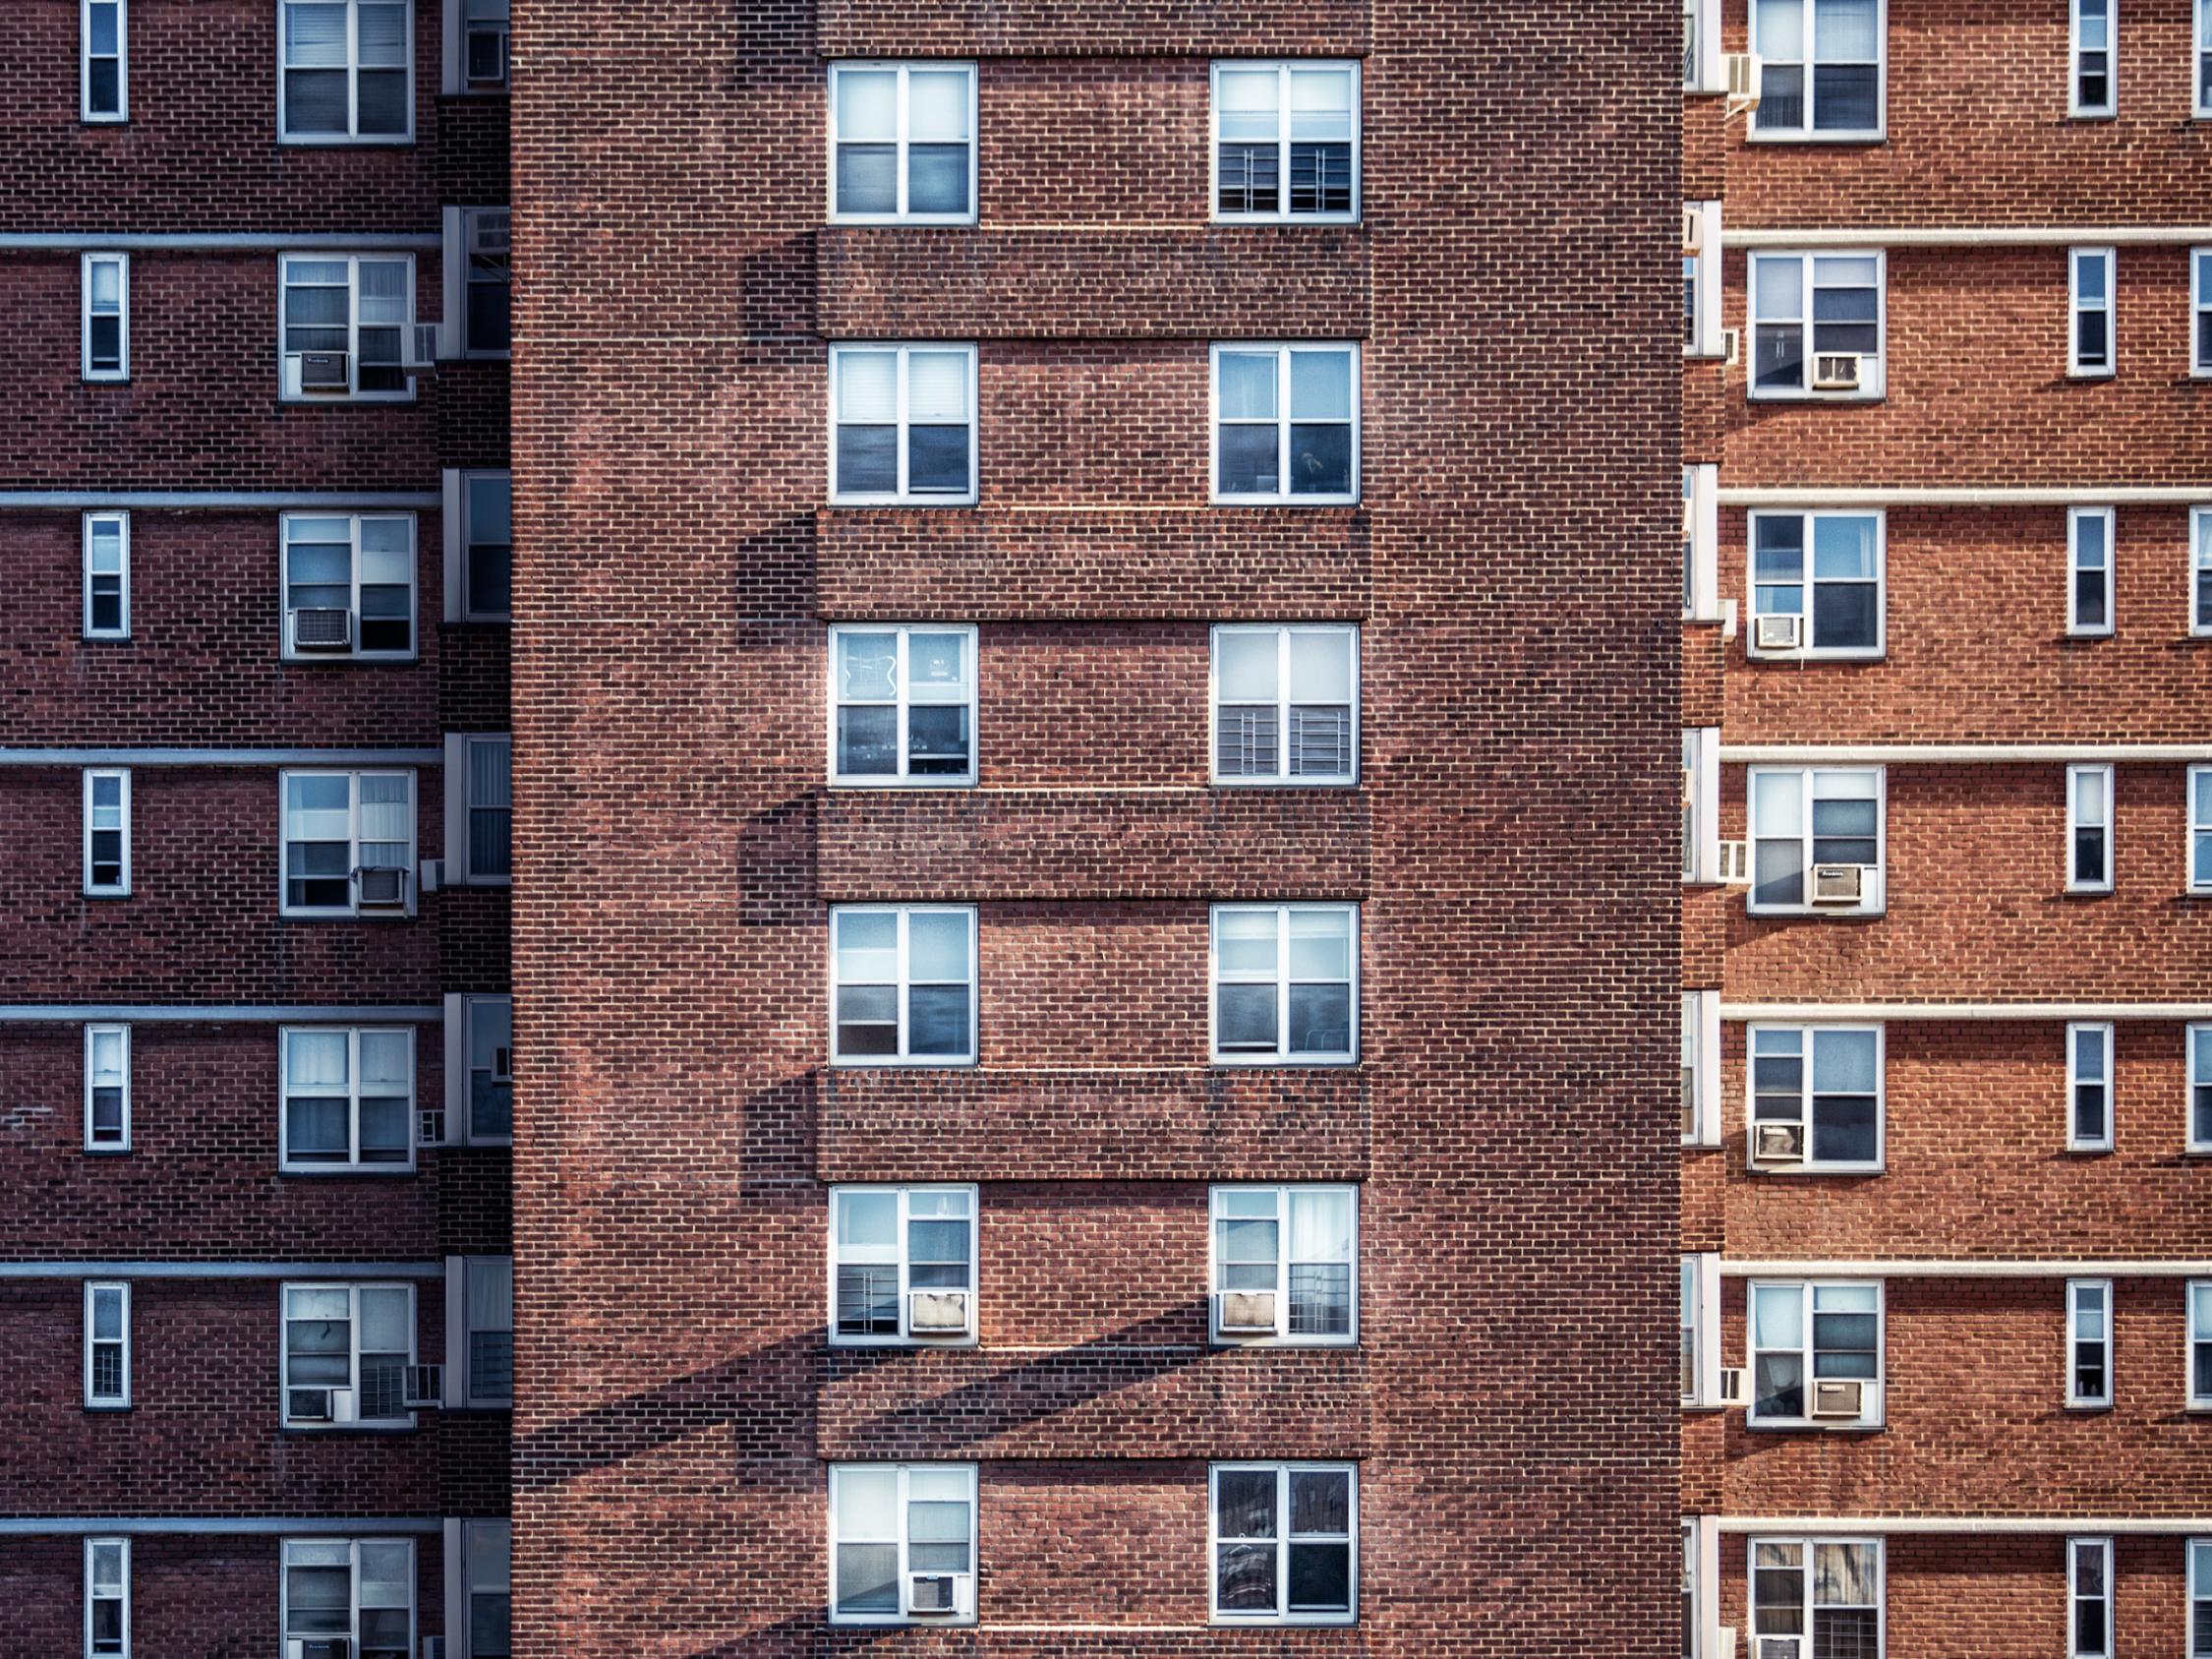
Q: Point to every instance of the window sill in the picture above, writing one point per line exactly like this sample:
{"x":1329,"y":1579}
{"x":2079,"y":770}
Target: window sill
{"x":1755,"y":395}
{"x":324,"y":1172}
{"x":348,"y":400}
{"x":1234,"y":219}
{"x":1869,"y":136}
{"x":924,"y":503}
{"x":2091,"y":374}
{"x":893,"y":1062}
{"x":901,"y":784}
{"x":345,"y":916}
{"x":1805,"y":1426}
{"x":1876,"y":654}
{"x":1284,"y":783}
{"x":901,"y":1344}
{"x":1223,"y":1343}
{"x":393,"y":1427}
{"x":2088,"y":1408}
{"x":1284,"y":1062}
{"x":345,"y":659}
{"x":894,"y":221}
{"x":344,"y":140}
{"x":1282,"y":500}
{"x":1804,"y":1171}
{"x":1820,"y":913}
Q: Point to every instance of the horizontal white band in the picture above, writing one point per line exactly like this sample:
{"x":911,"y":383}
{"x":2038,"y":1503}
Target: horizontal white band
{"x":1963,"y":754}
{"x":1969,"y":495}
{"x":1882,"y":1268}
{"x":1817,"y":1013}
{"x":1968,"y":236}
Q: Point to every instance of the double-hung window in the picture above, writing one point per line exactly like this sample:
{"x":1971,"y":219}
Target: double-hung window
{"x":1700,"y":279}
{"x":1286,"y":1265}
{"x":108,"y":1088}
{"x":1816,"y":1099}
{"x":358,"y":1590}
{"x":346,"y":72}
{"x":902,"y":143}
{"x":2198,"y":1105}
{"x":108,"y":317}
{"x":1286,"y":141}
{"x":1691,"y":1326}
{"x":345,"y":325}
{"x":2200,"y":566}
{"x":903,"y":706}
{"x":480,"y":808}
{"x":1821,"y":68}
{"x":2201,"y":108}
{"x":902,"y":985}
{"x":477,"y":241}
{"x":1286,"y":704}
{"x":1285,"y":983}
{"x":476,"y":53}
{"x":2090,"y":1102}
{"x":1816,"y":1598}
{"x":902,"y":425}
{"x":902,"y":1543}
{"x":2200,"y":260}
{"x":347,"y":1348}
{"x":1816,"y":325}
{"x":2089,"y":1598}
{"x":349,"y":843}
{"x":107,"y":833}
{"x":2200,"y":1598}
{"x":1816,"y":1354}
{"x":1285,"y":1543}
{"x":349,"y":1100}
{"x":2090,"y":312}
{"x":903,"y":1265}
{"x":107,"y":1346}
{"x":482,"y":1291}
{"x":2200,"y":1345}
{"x":107,"y":1598}
{"x":1701,"y":1068}
{"x":1816,"y":840}
{"x":1701,"y":542}
{"x":2088,"y":1343}
{"x":1823,"y":574}
{"x":2199,"y":788}
{"x":107,"y":575}
{"x":2093,"y":56}
{"x":1701,"y":803}
{"x":479,"y":524}
{"x":1701,"y":45}
{"x":2089,"y":800}
{"x":487,"y":1552}
{"x":479,"y":1070}
{"x":2089,"y":562}
{"x":103,"y":77}
{"x":1286,"y":424}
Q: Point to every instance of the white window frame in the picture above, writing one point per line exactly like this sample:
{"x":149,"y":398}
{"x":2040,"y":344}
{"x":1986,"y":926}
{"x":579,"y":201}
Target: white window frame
{"x":460,"y":1048}
{"x":1282,"y":1615}
{"x":2198,"y":1319}
{"x":1806,"y":132}
{"x":458,"y":228}
{"x":1702,"y":255}
{"x":1284,"y":68}
{"x":902,"y":142}
{"x":2196,"y":1127}
{"x":2076,"y":110}
{"x":408,"y":871}
{"x":461,"y":1329}
{"x":353,"y":653}
{"x":1875,"y":375}
{"x":1701,"y":51}
{"x":1808,"y":1289}
{"x":902,"y":701}
{"x":2079,"y":1078}
{"x":1701,"y":1066}
{"x":95,"y":1291}
{"x":1701,"y":1311}
{"x":463,"y":1586}
{"x":1282,"y":1337}
{"x":1808,"y":1607}
{"x":903,"y":495}
{"x":966,"y":1590}
{"x":2199,"y":826}
{"x":1700,"y":806}
{"x":352,"y":134}
{"x":904,"y":984}
{"x":2077,"y":309}
{"x":2077,"y":1290}
{"x":1809,"y":521}
{"x":1282,"y":778}
{"x":1700,"y":1569}
{"x":85,"y":266}
{"x":353,"y":1164}
{"x":122,"y":523}
{"x":1875,"y":898}
{"x":2200,"y":272}
{"x":1282,"y":422}
{"x":2100,"y":1548}
{"x":456,"y":522}
{"x":2200,"y":567}
{"x":353,"y":1289}
{"x":453,"y":77}
{"x":120,"y":1548}
{"x":461,"y":808}
{"x":1282,"y":1056}
{"x":904,"y":1259}
{"x":85,"y":57}
{"x":2102,"y":778}
{"x":1701,"y":542}
{"x":353,"y":1545}
{"x":122,"y":1034}
{"x":119,"y":889}
{"x":1808,"y":1035}
{"x":2200,"y":1592}
{"x":405,"y":393}
{"x":2076,"y":627}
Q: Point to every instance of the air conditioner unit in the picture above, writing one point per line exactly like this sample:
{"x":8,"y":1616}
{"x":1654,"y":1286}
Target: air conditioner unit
{"x":319,"y":374}
{"x":935,"y":1595}
{"x":321,"y":627}
{"x":1839,"y":1398}
{"x":502,"y":1065}
{"x":1736,"y":1386}
{"x":487,"y":61}
{"x":1735,"y":863}
{"x":1247,"y":1310}
{"x":1724,"y":1642}
{"x":431,"y":876}
{"x":1693,"y":230}
{"x":1740,"y":75}
{"x":1839,"y":885}
{"x":1778,"y":634}
{"x":431,"y":1126}
{"x":319,"y":1648}
{"x":936,"y":1313}
{"x":382,"y":888}
{"x":424,"y":1387}
{"x":1731,"y":346}
{"x":1837,"y":370}
{"x":489,"y":234}
{"x":423,"y":349}
{"x":307,"y":1405}
{"x":1778,"y":1143}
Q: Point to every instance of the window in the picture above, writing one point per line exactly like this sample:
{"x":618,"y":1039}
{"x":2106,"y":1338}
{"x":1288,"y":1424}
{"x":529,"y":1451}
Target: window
{"x":349,"y":1100}
{"x":487,"y":1547}
{"x":1817,"y":840}
{"x":1701,"y":45}
{"x":903,"y":985}
{"x":107,"y":834}
{"x":1841,"y":294}
{"x":108,"y":1088}
{"x":1701,"y":542}
{"x":1701,"y":1068}
{"x":2089,"y":1088}
{"x":479,"y":547}
{"x":476,"y":279}
{"x":1286,"y":423}
{"x":103,"y":94}
{"x":349,"y":843}
{"x":2200,"y":259}
{"x":2201,"y":829}
{"x":1825,"y":569}
{"x":349,"y":586}
{"x":1285,"y":1543}
{"x":2200,"y":1598}
{"x":2201,"y":105}
{"x":902,"y":1542}
{"x":1832,"y":1612}
{"x":903,"y":143}
{"x":1690,"y":1588}
{"x":2200,"y":576}
{"x":108,"y":317}
{"x":1692,"y":1324}
{"x":361,"y":1590}
{"x":2089,"y":300}
{"x":2089,"y":829}
{"x":902,"y":1264}
{"x":1816,"y":1354}
{"x":1286,"y":1265}
{"x":346,"y":72}
{"x":1286,"y":705}
{"x":346,"y":1352}
{"x":903,"y":706}
{"x":1823,"y":63}
{"x":1285,"y":983}
{"x":107,"y":1347}
{"x":480,"y":808}
{"x":107,"y":575}
{"x":2090,"y":567}
{"x":2200,"y":1089}
{"x":2093,"y":54}
{"x":2088,"y":1343}
{"x":107,"y":1598}
{"x":902,"y":425}
{"x":345,"y":323}
{"x":1701,"y":805}
{"x":1700,"y":279}
{"x":2088,"y":1591}
{"x":2200,"y":1351}
{"x":1815,"y":1098}
{"x":476,"y":53}
{"x":480,"y":1068}
{"x":486,"y":1293}
{"x":1278,"y":123}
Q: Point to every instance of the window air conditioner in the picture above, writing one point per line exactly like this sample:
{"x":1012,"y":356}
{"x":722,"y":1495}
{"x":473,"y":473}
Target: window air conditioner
{"x":936,"y":1313}
{"x":1735,"y":863}
{"x":934,"y":1594}
{"x":1839,"y":885}
{"x":1837,"y":370}
{"x":1693,"y":230}
{"x":424,"y":1387}
{"x":1724,"y":1642}
{"x":486,"y":67}
{"x":489,"y":234}
{"x":502,"y":1065}
{"x":1740,"y":74}
{"x":423,"y":349}
{"x":1736,"y":1386}
{"x":382,"y":888}
{"x":1731,"y":346}
{"x":319,"y":374}
{"x":1839,"y":1398}
{"x":1247,"y":1311}
{"x":431,"y":1126}
{"x":319,"y":1648}
{"x":321,"y":627}
{"x":307,"y":1405}
{"x":1778,"y":1143}
{"x":1778,"y":634}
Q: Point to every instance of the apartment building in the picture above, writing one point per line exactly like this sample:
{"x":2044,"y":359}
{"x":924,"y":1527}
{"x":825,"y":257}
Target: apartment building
{"x":1096,"y":699}
{"x":1946,"y":1118}
{"x":255,"y":1327}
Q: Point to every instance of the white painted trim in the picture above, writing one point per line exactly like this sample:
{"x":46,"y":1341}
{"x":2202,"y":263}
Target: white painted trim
{"x":1283,"y":778}
{"x":1875,"y":376}
{"x":1283,"y":350}
{"x":901,"y":1248}
{"x":89,"y":523}
{"x":1702,"y":494}
{"x":1707,"y":341}
{"x":352,"y":136}
{"x":903,"y":703}
{"x":1892,"y":1525}
{"x":1903,"y":1268}
{"x":1841,"y":1012}
{"x":122,"y":1548}
{"x":122,"y":371}
{"x":2076,"y":110}
{"x":456,"y":1068}
{"x":902,"y":494}
{"x":1968,"y":236}
{"x":1954,"y":755}
{"x":2108,"y":258}
{"x":1992,"y":496}
{"x":120,"y":1401}
{"x":1283,"y":67}
{"x":1707,"y":1589}
{"x":213,"y":1013}
{"x":165,"y":242}
{"x":93,"y":118}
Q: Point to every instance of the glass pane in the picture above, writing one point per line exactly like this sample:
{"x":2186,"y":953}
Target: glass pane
{"x":1320,"y":1502}
{"x":1320,"y":101}
{"x":937,"y":460}
{"x":1246,"y":1020}
{"x":937,"y":106}
{"x":1247,"y":103}
{"x":937,"y":665}
{"x":1321,"y":666}
{"x":1843,"y":549}
{"x":388,"y":1319}
{"x":1244,"y":1504}
{"x":1320,"y":1019}
{"x":1779,"y":30}
{"x":1320,"y":1226}
{"x":1321,"y":1577}
{"x":1244,"y":941}
{"x":937,"y":1021}
{"x":1248,"y":462}
{"x":1843,"y":1063}
{"x":937,"y":945}
{"x":937,"y":178}
{"x":867,"y":1503}
{"x":1320,"y":460}
{"x":937,"y":385}
{"x":1777,"y":803}
{"x":1320,"y":385}
{"x":867,"y":947}
{"x":867,"y":385}
{"x":315,"y":35}
{"x":868,"y":1220}
{"x":314,"y":102}
{"x":1246,"y":1579}
{"x":867,"y":178}
{"x":868,"y":740}
{"x":383,"y":299}
{"x":868,"y":104}
{"x":867,"y":667}
{"x":1777,"y":1313}
{"x":1244,"y":666}
{"x":937,"y":740}
{"x":1847,"y":30}
{"x":387,"y":1573}
{"x":1246,"y":389}
{"x":867,"y":1577}
{"x":1844,"y":1575}
{"x":1320,"y":945}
